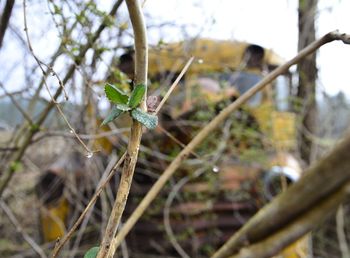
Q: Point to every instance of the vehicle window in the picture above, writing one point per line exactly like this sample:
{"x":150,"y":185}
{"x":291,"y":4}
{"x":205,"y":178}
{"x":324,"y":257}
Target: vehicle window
{"x":244,"y":81}
{"x":282,"y":93}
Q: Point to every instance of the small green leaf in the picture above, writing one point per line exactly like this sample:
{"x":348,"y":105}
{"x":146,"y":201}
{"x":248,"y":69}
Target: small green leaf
{"x":123,"y":107}
{"x":137,"y":95}
{"x":113,"y":114}
{"x":92,"y":253}
{"x":148,"y":120}
{"x":116,"y":95}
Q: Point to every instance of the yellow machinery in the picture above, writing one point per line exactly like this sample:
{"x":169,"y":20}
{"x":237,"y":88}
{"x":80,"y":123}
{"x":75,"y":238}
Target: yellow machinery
{"x":221,"y":72}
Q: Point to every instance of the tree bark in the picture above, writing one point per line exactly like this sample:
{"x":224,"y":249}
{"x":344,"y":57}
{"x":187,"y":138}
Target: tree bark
{"x":307,"y":75}
{"x":5,"y":18}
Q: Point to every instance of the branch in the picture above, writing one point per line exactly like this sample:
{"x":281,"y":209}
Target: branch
{"x":19,"y":228}
{"x":27,"y":136}
{"x":318,"y":183}
{"x":141,"y":59}
{"x":273,"y":244}
{"x":17,"y":105}
{"x":215,"y":123}
{"x":340,"y":223}
{"x":91,"y":203}
{"x":5,"y":17}
{"x":100,"y":188}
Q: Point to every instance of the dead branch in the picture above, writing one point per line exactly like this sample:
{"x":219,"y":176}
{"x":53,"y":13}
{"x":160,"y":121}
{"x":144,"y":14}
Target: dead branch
{"x":307,"y":222}
{"x":5,"y":18}
{"x":210,"y":127}
{"x":91,"y":203}
{"x":19,"y":228}
{"x":319,"y":182}
{"x":26,"y":137}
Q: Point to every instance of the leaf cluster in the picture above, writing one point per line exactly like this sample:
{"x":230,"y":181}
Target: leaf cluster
{"x":123,"y":102}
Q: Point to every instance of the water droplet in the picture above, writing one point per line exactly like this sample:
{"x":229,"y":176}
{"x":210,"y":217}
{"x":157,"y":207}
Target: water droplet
{"x":89,"y":155}
{"x":71,"y":131}
{"x":216,"y":169}
{"x":200,"y":61}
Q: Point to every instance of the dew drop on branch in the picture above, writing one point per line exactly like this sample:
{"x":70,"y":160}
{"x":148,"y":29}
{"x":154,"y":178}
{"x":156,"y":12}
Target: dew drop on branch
{"x":89,"y":155}
{"x":71,"y":131}
{"x":215,"y":169}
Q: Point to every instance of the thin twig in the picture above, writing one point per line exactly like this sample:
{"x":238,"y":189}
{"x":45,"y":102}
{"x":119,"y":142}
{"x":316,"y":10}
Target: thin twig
{"x":255,"y":227}
{"x":175,"y":83}
{"x":91,"y":203}
{"x":40,"y":64}
{"x":17,"y":105}
{"x":213,"y":124}
{"x":26,"y":136}
{"x":82,"y":136}
{"x":99,"y":190}
{"x":19,"y":229}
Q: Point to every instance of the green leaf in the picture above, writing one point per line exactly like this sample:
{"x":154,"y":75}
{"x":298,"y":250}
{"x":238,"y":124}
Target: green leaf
{"x":148,"y":120}
{"x":123,"y":107}
{"x":137,"y":95}
{"x":113,"y":114}
{"x":116,"y":95}
{"x":92,"y":253}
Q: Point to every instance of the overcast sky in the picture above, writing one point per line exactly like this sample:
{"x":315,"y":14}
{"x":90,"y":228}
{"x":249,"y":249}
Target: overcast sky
{"x":271,"y":23}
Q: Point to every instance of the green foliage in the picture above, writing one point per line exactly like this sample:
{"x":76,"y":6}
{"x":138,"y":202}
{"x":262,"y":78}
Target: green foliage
{"x":136,"y":95}
{"x":125,"y":103}
{"x":92,"y":253}
{"x":115,"y":95}
{"x":113,"y":114}
{"x":148,"y":120}
{"x":123,"y":107}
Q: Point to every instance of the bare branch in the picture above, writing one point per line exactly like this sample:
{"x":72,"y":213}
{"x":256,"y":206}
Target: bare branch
{"x":27,"y":137}
{"x":210,"y":127}
{"x":318,"y":183}
{"x":141,"y":65}
{"x":91,"y":203}
{"x":5,"y":18}
{"x":19,"y":228}
{"x":273,"y":244}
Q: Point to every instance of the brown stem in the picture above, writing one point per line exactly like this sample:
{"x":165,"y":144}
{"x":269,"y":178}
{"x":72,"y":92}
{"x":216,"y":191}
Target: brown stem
{"x":273,"y":244}
{"x":91,"y":203}
{"x":210,"y":127}
{"x":141,"y":58}
{"x":5,"y":18}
